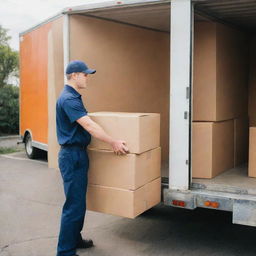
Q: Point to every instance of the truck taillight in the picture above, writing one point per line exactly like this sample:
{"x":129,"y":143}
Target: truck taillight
{"x":178,"y":203}
{"x":212,"y":204}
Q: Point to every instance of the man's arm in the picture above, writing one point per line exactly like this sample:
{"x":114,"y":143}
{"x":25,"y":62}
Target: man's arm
{"x":97,"y":131}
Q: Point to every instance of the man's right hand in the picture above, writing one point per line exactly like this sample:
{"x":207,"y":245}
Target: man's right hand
{"x":119,"y":147}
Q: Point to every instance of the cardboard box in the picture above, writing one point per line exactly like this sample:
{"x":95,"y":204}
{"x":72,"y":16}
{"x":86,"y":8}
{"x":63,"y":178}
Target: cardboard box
{"x":141,"y":131}
{"x":130,"y":171}
{"x":122,"y":202}
{"x":252,"y":153}
{"x":241,"y":140}
{"x":212,"y":148}
{"x":220,"y":86}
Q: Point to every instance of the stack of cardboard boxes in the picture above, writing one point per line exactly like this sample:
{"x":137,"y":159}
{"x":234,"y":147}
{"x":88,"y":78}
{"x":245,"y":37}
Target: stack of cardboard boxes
{"x":130,"y":184}
{"x":220,"y":92}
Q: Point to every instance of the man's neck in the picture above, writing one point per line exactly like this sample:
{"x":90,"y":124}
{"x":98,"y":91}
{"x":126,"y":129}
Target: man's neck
{"x":73,"y":86}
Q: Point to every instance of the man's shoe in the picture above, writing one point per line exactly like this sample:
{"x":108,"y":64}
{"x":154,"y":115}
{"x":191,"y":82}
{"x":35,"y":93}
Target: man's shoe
{"x":83,"y":244}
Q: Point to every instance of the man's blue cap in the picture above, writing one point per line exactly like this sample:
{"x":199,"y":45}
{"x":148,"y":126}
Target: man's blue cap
{"x":78,"y":66}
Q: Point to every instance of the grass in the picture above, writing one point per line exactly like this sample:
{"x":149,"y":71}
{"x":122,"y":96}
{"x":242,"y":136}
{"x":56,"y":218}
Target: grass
{"x":8,"y":150}
{"x":7,"y":134}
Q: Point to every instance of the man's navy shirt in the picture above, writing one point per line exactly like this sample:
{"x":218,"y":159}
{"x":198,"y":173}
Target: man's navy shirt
{"x":69,"y":108}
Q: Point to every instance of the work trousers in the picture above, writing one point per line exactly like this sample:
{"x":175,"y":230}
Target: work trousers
{"x":73,"y":164}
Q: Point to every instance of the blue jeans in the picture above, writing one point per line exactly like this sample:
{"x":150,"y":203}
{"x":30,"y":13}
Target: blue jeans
{"x":73,"y":164}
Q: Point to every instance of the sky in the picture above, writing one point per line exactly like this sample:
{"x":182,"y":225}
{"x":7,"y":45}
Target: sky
{"x":20,"y":15}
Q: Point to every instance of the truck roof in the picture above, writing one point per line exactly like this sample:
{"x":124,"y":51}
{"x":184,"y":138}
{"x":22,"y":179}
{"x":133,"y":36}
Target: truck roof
{"x":155,"y":14}
{"x":100,"y":9}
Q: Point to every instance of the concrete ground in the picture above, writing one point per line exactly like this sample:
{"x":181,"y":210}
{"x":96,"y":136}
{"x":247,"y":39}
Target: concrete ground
{"x":31,"y":198}
{"x":11,"y":142}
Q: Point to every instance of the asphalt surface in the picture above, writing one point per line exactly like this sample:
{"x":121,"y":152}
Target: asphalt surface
{"x":31,"y":197}
{"x":11,"y":142}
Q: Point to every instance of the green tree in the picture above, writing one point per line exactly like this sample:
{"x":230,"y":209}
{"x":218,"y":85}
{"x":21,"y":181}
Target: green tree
{"x":9,"y":95}
{"x":9,"y":110}
{"x":4,"y":38}
{"x":8,"y":58}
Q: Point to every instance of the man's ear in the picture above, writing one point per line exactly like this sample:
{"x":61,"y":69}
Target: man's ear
{"x":74,"y":76}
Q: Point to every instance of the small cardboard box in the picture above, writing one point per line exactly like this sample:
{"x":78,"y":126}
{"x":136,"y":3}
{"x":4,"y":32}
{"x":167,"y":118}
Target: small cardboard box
{"x":129,"y":171}
{"x":123,"y":202}
{"x":241,"y":142}
{"x":212,"y":148}
{"x":252,"y":153}
{"x":141,"y":131}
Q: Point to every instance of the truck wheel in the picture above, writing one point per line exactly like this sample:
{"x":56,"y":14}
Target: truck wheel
{"x":31,"y":151}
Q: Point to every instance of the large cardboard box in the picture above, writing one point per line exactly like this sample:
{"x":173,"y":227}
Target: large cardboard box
{"x":129,"y":171}
{"x":141,"y":131}
{"x":123,"y":202}
{"x":212,"y":148}
{"x":252,"y":153}
{"x":220,"y":86}
{"x":241,"y":140}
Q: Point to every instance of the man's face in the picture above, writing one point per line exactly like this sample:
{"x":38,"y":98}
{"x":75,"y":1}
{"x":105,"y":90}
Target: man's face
{"x":81,"y":80}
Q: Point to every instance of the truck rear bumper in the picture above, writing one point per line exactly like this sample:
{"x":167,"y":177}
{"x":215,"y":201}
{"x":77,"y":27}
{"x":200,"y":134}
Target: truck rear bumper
{"x":243,"y":206}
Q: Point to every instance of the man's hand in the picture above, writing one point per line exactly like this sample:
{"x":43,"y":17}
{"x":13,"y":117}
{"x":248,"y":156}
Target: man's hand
{"x":119,"y":147}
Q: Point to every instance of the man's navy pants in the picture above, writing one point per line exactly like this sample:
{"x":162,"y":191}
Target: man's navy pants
{"x":73,"y":164}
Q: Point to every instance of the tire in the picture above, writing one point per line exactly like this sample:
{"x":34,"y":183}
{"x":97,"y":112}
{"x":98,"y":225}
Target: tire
{"x":32,"y":152}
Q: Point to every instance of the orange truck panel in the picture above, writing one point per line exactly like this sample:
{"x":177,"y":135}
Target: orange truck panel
{"x":34,"y":83}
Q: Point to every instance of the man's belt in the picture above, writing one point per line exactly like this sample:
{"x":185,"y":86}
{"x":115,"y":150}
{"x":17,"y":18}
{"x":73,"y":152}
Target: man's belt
{"x":74,"y":146}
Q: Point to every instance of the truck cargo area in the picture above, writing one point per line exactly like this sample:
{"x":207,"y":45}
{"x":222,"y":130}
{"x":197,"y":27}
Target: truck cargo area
{"x":239,"y":15}
{"x":234,"y":180}
{"x":233,"y":183}
{"x":232,"y":189}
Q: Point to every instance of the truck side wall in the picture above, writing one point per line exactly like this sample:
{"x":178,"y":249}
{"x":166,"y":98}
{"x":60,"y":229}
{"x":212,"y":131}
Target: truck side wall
{"x":33,"y":83}
{"x":42,"y":80}
{"x":252,"y":83}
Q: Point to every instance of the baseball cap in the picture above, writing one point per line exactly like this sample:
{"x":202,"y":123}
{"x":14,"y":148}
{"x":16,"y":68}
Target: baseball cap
{"x":78,"y":66}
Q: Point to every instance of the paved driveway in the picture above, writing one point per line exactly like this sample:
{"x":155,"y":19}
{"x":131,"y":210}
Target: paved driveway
{"x":31,"y":197}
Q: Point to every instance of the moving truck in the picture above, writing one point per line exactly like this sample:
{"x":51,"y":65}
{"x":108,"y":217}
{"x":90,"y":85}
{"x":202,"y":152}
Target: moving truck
{"x":192,"y":61}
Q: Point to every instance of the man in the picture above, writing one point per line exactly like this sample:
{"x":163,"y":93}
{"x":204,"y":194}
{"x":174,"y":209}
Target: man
{"x":74,"y":130}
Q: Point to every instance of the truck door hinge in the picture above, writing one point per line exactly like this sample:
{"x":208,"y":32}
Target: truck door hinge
{"x":187,"y":92}
{"x":186,"y":115}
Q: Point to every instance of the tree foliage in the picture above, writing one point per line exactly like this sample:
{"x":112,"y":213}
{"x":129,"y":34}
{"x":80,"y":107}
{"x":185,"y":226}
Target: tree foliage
{"x":4,"y":38}
{"x":9,"y":95}
{"x":8,"y":58}
{"x":9,"y":110}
